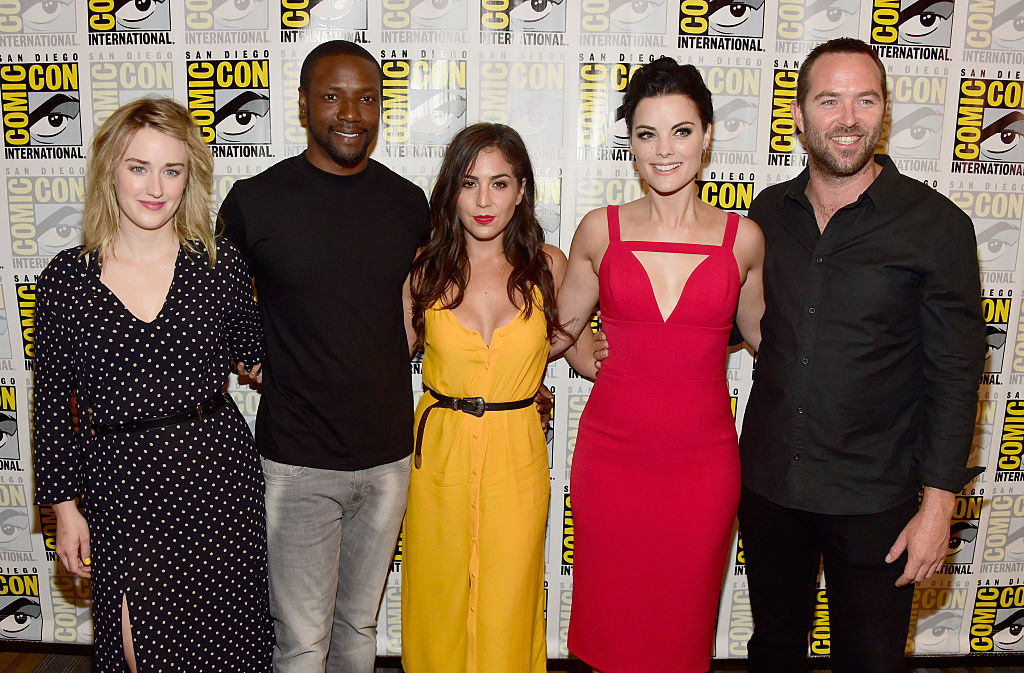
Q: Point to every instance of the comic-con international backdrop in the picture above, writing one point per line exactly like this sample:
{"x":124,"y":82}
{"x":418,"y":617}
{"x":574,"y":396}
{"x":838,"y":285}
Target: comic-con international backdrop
{"x":555,"y":70}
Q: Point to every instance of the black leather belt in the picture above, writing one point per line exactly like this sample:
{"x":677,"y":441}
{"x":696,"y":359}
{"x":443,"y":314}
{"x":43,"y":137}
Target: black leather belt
{"x":204,"y":410}
{"x":474,"y":406}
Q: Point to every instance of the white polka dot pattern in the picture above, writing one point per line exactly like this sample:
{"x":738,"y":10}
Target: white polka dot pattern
{"x":176,"y":513}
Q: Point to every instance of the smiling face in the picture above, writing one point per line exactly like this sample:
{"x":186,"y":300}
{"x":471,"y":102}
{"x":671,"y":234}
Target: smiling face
{"x":489,"y":196}
{"x":342,"y":108}
{"x":667,"y":140}
{"x":150,"y":180}
{"x":842,"y":115}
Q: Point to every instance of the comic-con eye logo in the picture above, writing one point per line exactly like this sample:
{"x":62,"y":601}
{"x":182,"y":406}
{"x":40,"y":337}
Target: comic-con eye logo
{"x":20,"y":614}
{"x":1004,"y":536}
{"x":323,"y":14}
{"x":602,"y":123}
{"x":230,"y":102}
{"x":129,"y":15}
{"x":438,"y":13}
{"x":997,"y":218}
{"x":820,"y":21}
{"x":548,"y":207}
{"x":912,"y":22}
{"x":624,"y":16}
{"x":724,"y":18}
{"x":438,"y":100}
{"x":735,"y":93}
{"x":8,"y":430}
{"x":940,"y":616}
{"x":14,"y":530}
{"x":990,"y":127}
{"x":425,"y":14}
{"x":538,"y":15}
{"x":527,"y":96}
{"x":963,"y":532}
{"x":998,"y":25}
{"x":227,"y":14}
{"x":45,"y":215}
{"x":38,"y":16}
{"x":997,"y":622}
{"x":14,"y":527}
{"x":425,"y":100}
{"x":41,"y":105}
{"x":735,"y":128}
{"x":939,"y":632}
{"x":915,"y":130}
{"x":519,"y":15}
{"x":997,"y":315}
{"x":115,"y":83}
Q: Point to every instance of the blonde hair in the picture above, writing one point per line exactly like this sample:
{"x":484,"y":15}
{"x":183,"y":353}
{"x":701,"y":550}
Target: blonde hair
{"x":193,"y":221}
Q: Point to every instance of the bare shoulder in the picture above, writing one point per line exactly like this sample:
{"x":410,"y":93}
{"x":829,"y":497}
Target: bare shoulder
{"x":749,"y":245}
{"x":749,"y":232}
{"x":555,"y":256}
{"x":591,"y":236}
{"x":556,"y":262}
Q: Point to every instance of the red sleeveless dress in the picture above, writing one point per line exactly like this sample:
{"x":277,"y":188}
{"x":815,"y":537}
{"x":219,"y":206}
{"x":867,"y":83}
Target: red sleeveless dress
{"x":655,"y":474}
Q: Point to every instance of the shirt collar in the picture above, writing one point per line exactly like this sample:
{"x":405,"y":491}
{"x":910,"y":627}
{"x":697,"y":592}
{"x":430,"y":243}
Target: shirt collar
{"x":881,"y":190}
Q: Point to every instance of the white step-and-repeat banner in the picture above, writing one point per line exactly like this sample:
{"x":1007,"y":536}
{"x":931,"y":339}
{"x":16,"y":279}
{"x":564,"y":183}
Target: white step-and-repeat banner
{"x":556,"y":71}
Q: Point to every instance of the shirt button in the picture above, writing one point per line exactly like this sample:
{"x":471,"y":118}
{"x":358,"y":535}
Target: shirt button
{"x":810,"y":310}
{"x":796,"y":456}
{"x":820,"y":260}
{"x":800,"y":410}
{"x":804,"y":361}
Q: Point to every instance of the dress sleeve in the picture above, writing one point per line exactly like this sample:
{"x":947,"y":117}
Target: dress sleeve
{"x":58,"y":454}
{"x":244,"y":325}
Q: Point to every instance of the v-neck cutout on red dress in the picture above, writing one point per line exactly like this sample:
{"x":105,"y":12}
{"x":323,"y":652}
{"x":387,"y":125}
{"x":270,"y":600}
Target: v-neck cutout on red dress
{"x":705,"y":252}
{"x":699,"y":258}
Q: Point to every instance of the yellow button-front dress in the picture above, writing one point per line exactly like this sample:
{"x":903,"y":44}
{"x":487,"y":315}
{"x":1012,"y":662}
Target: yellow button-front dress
{"x":473,"y":556}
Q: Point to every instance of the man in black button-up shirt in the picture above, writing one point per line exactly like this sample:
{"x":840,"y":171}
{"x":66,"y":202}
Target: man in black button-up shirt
{"x":865,"y":389}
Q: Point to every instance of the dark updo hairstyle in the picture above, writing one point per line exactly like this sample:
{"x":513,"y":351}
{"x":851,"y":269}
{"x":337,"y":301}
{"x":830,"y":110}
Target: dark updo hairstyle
{"x":665,"y":77}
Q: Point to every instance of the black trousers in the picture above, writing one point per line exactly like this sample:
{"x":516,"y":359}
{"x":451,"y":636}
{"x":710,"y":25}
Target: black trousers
{"x":868,"y":615}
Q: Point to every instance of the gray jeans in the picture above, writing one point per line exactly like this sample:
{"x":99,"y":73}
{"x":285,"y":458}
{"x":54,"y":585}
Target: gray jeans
{"x":330,"y":536}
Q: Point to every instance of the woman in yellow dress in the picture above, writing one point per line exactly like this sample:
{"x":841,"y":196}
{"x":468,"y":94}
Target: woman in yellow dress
{"x":482,"y":296}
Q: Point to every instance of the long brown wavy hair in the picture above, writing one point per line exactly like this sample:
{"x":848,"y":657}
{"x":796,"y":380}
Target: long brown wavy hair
{"x":441,"y":271}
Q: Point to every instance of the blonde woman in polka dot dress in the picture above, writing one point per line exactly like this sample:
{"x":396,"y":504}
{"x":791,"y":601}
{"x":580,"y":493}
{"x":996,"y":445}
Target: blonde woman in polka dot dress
{"x":141,"y":324}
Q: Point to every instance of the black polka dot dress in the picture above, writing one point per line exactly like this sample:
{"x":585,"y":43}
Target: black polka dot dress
{"x":175,"y":513}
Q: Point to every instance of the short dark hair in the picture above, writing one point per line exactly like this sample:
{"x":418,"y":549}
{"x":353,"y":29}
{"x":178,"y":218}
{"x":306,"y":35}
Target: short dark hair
{"x":334,"y":48}
{"x":840,"y":45}
{"x":665,"y":77}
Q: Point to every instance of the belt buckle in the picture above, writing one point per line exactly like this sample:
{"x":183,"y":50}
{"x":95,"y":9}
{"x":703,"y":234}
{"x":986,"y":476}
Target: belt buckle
{"x":474,"y":406}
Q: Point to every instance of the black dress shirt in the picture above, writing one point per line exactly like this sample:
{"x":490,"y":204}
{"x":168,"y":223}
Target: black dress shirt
{"x":865,"y":387}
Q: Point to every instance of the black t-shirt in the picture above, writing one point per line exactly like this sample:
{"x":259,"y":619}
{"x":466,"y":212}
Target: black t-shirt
{"x":330,"y":254}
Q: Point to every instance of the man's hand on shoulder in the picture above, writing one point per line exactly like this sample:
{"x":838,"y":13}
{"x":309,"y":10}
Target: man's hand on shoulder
{"x":925,"y":537}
